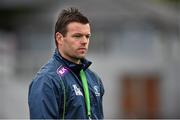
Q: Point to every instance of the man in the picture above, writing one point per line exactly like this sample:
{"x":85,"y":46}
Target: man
{"x":65,"y":88}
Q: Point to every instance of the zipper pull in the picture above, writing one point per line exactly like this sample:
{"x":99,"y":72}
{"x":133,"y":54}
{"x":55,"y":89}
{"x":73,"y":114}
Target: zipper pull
{"x":89,"y":118}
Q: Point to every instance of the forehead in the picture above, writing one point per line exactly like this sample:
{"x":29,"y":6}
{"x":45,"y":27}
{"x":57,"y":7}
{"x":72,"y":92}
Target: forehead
{"x":75,"y":27}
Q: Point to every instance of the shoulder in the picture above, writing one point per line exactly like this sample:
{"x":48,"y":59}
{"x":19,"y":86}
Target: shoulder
{"x":49,"y":70}
{"x":97,"y":79}
{"x":43,"y":86}
{"x":46,"y":77}
{"x":93,"y":74}
{"x":42,"y":82}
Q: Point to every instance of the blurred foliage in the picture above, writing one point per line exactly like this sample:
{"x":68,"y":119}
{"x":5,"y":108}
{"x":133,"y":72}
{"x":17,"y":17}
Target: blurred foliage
{"x":175,"y":2}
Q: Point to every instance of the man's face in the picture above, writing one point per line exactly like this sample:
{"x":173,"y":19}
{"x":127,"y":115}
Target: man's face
{"x":74,"y":45}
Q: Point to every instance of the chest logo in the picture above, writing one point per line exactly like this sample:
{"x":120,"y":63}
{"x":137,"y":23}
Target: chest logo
{"x":97,"y":90}
{"x":77,"y":90}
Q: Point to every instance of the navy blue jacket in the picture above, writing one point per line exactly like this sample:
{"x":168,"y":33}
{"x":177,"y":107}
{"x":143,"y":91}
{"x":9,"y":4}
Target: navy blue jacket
{"x":56,"y":92}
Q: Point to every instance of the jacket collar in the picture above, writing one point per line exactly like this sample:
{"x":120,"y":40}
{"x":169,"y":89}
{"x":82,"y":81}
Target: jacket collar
{"x":73,"y":66}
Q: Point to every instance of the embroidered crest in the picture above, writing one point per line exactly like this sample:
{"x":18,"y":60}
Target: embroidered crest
{"x":97,"y":90}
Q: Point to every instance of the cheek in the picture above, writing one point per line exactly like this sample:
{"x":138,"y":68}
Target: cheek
{"x":75,"y":44}
{"x":72,"y":46}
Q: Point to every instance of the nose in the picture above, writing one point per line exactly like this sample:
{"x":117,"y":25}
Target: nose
{"x":84,"y":40}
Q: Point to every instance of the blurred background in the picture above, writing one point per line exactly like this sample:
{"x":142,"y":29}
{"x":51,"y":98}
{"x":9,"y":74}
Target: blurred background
{"x":135,"y":48}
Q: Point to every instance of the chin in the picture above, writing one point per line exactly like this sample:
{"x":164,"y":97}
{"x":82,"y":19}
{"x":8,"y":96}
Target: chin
{"x":81,"y":56}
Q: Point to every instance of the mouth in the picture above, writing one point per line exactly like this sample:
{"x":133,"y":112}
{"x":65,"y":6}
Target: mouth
{"x":82,"y":50}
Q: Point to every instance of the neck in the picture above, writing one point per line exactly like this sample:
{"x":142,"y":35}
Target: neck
{"x":74,"y":60}
{"x":77,"y":61}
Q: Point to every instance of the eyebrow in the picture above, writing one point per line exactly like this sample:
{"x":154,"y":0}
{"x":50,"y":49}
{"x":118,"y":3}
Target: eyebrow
{"x":82,"y":34}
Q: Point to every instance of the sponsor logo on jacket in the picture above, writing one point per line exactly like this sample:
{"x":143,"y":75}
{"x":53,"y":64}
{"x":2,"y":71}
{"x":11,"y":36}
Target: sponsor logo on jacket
{"x":62,"y":70}
{"x":77,"y":90}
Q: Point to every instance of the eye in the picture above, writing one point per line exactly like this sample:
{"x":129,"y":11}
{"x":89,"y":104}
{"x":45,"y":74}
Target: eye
{"x":77,"y":36}
{"x":88,"y":36}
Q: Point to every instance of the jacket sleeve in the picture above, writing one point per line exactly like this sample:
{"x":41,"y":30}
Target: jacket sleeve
{"x":44,"y":98}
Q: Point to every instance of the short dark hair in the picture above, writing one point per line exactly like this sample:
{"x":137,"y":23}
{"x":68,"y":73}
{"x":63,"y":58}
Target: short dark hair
{"x":67,"y":16}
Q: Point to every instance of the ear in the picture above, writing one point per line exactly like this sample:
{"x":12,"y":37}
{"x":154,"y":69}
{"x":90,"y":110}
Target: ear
{"x":59,"y":38}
